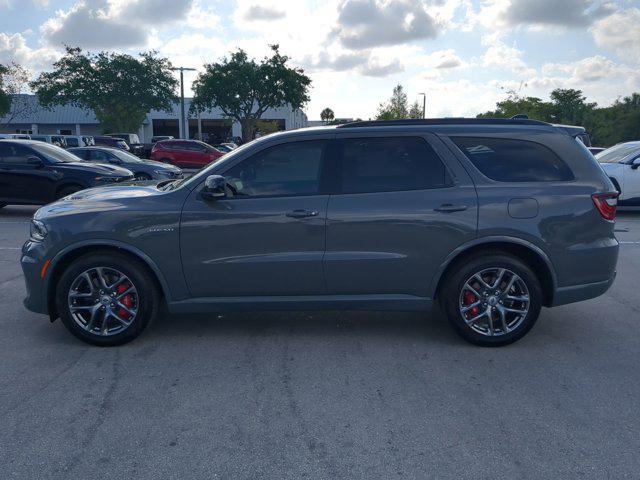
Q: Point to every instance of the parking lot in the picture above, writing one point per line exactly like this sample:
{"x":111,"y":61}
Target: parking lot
{"x":322,"y":395}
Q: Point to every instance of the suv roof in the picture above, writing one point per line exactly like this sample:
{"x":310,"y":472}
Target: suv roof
{"x":442,"y":121}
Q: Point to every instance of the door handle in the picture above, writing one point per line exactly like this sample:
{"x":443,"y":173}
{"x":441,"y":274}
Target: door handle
{"x":302,"y":213}
{"x":449,"y":208}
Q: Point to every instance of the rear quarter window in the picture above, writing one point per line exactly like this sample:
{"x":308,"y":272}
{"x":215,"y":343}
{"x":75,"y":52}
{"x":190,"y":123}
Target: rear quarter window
{"x":510,"y":160}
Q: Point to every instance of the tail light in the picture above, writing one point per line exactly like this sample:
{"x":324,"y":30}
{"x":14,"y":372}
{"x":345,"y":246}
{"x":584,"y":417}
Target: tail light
{"x":606,"y":204}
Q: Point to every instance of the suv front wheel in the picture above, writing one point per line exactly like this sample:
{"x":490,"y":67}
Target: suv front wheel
{"x":492,"y":299}
{"x":106,"y":299}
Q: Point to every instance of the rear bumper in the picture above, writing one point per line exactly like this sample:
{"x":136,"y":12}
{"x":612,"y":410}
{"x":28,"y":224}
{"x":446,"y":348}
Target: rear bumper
{"x":578,"y":293}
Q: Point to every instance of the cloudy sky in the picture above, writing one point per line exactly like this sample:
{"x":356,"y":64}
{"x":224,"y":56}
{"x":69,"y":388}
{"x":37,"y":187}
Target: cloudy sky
{"x":465,"y":54}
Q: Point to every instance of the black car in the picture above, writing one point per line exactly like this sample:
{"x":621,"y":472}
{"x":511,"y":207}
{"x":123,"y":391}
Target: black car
{"x":34,"y":173}
{"x":142,"y":169}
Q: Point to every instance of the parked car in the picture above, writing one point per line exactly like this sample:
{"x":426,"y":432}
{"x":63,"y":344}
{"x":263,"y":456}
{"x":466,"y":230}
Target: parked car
{"x":133,"y":141}
{"x":130,"y":138}
{"x":223,"y":148}
{"x":34,"y":173}
{"x":493,"y":219}
{"x":15,"y":136}
{"x":185,"y":153}
{"x":159,"y":138}
{"x":78,"y":140}
{"x":142,"y":169}
{"x":114,"y":142}
{"x":596,"y":150}
{"x":622,"y":163}
{"x":57,"y":140}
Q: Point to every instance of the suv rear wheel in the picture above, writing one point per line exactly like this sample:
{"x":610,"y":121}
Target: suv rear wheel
{"x":106,"y":299}
{"x":492,"y":299}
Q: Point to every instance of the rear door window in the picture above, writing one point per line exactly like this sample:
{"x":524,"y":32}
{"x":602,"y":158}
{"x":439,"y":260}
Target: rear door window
{"x":390,"y":164}
{"x":510,"y":160}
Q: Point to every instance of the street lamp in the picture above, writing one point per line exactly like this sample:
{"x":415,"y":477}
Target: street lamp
{"x":185,"y":128}
{"x":424,"y":104}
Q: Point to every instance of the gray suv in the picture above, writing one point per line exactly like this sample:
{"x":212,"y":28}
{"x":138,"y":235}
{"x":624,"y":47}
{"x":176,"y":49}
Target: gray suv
{"x":492,"y":219}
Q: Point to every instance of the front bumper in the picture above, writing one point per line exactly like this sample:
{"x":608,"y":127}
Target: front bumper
{"x":32,"y":262}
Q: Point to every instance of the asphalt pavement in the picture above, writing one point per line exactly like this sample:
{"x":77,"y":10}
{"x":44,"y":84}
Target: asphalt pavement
{"x":322,"y":395}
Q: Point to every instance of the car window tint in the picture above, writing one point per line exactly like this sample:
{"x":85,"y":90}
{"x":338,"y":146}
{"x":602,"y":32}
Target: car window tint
{"x":13,"y":154}
{"x":509,"y":160}
{"x":72,"y":142}
{"x":390,"y":164}
{"x":290,"y":169}
{"x":98,"y":155}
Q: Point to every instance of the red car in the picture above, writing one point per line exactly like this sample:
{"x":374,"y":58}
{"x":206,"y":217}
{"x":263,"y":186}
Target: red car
{"x":185,"y":153}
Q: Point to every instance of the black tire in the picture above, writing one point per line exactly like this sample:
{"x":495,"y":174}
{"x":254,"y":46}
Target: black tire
{"x":452,"y":293}
{"x":64,"y":191}
{"x":141,"y":176}
{"x":148,"y":296}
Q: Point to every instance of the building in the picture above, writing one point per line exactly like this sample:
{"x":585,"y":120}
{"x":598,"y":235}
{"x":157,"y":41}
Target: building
{"x":71,"y":120}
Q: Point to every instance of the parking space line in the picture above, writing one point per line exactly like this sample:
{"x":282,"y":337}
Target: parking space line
{"x":10,"y":248}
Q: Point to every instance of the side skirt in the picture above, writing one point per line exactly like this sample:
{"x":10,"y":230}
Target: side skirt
{"x":403,"y":303}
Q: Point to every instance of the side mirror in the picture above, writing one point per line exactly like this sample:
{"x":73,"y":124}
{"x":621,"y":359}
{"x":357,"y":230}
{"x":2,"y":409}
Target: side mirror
{"x":635,"y":164}
{"x":214,"y":187}
{"x":35,"y":161}
{"x":115,"y":161}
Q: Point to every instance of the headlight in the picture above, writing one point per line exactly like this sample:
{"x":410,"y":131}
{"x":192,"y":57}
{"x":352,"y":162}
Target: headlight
{"x":162,"y":172}
{"x":38,"y":231}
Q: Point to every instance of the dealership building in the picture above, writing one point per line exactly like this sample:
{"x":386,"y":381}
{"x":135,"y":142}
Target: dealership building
{"x":71,"y":120}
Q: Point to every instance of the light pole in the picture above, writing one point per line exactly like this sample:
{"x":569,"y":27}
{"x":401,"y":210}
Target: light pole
{"x":424,"y":104}
{"x":185,"y":128}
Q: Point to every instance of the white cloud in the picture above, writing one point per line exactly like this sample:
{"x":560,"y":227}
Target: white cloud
{"x":365,"y":24}
{"x":502,"y":56}
{"x":14,"y":48}
{"x":566,"y":13}
{"x":258,"y":12}
{"x":94,"y":24}
{"x":620,"y":32}
{"x":441,"y":60}
{"x":504,"y":14}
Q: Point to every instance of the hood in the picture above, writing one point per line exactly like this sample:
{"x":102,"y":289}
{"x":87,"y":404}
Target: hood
{"x":100,"y":194}
{"x":161,"y":165}
{"x":611,"y":167}
{"x":94,"y":167}
{"x":97,"y":199}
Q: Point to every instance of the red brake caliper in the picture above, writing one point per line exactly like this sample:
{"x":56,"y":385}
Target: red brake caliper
{"x":469,"y":299}
{"x":127,"y":300}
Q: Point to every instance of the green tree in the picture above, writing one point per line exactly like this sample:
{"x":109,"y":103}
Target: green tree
{"x":327,"y":115}
{"x":245,"y":89}
{"x":119,"y":88}
{"x":570,"y":106}
{"x":618,"y":123}
{"x":5,"y":96}
{"x":534,"y":107}
{"x":14,"y":80}
{"x":415,"y":111}
{"x":396,"y":107}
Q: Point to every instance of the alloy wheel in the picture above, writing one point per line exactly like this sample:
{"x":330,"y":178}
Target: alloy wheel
{"x":103,"y":301}
{"x":494,"y":301}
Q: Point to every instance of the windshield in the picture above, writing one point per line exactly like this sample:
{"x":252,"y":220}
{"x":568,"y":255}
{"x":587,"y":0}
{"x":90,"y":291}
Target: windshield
{"x":618,"y":153}
{"x":54,"y":154}
{"x":125,"y":156}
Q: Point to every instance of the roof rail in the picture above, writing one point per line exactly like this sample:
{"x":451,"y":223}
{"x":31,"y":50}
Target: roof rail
{"x":442,"y":121}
